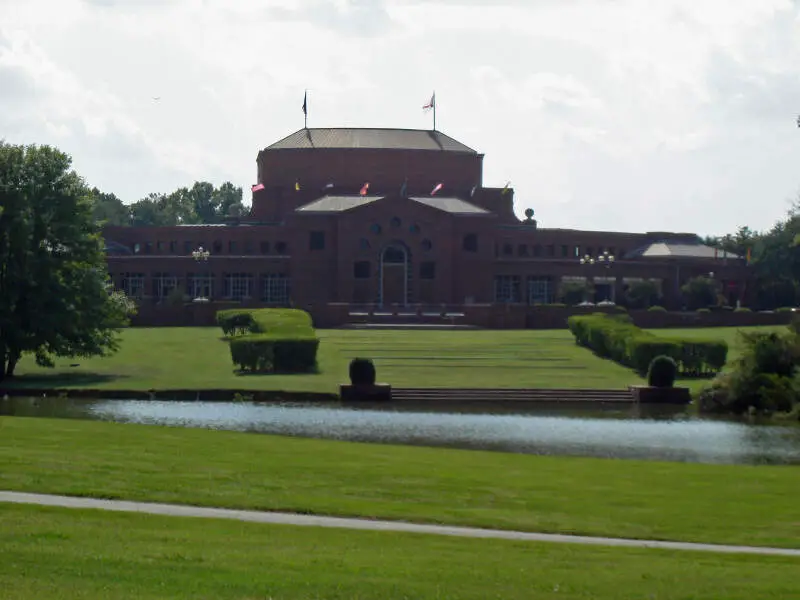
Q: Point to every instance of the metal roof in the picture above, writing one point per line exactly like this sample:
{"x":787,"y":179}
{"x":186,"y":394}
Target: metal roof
{"x":455,"y":206}
{"x":352,"y":137}
{"x":668,"y":249}
{"x":337,"y":203}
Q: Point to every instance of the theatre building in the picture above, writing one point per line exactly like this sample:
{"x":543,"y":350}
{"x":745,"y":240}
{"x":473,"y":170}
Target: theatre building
{"x":390,"y":220}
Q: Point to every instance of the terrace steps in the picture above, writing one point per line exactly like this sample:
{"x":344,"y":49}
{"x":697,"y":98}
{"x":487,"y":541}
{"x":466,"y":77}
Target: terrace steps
{"x":511,"y":395}
{"x":408,"y":325}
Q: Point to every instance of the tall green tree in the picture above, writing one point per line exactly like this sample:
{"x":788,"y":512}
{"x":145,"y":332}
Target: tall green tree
{"x":229,"y":201}
{"x":54,"y":294}
{"x":107,"y":209}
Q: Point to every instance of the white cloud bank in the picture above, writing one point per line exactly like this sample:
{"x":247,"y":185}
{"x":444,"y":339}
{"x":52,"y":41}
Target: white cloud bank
{"x":608,"y":114}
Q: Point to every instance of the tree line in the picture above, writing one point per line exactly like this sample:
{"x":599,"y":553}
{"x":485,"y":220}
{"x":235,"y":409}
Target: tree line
{"x":202,"y":203}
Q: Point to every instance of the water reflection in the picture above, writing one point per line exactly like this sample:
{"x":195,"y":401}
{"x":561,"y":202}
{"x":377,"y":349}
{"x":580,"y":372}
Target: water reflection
{"x":618,"y":432}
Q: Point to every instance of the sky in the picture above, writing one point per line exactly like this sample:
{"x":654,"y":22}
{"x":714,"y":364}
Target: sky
{"x":626,"y":115}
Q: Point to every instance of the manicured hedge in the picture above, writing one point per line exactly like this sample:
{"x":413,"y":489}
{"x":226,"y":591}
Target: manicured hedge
{"x":267,"y":339}
{"x":615,"y":337}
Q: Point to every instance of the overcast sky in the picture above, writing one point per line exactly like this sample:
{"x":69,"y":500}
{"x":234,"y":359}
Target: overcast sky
{"x":606,"y":114}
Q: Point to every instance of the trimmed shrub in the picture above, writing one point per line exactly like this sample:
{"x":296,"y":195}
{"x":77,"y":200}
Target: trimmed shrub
{"x":742,"y":309}
{"x":271,"y":339}
{"x":703,"y":310}
{"x":362,"y":371}
{"x":656,"y":309}
{"x":785,"y":309}
{"x":662,"y":372}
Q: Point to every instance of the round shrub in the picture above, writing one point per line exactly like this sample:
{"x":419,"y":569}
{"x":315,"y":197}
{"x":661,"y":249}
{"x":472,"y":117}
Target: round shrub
{"x":362,"y":372}
{"x":662,"y":372}
{"x":656,"y":308}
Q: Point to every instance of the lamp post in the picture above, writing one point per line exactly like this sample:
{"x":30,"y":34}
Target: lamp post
{"x":606,"y":260}
{"x":200,"y":255}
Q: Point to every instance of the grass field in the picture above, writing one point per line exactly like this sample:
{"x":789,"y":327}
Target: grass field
{"x":56,"y":553}
{"x":197,"y":358}
{"x":645,"y":500}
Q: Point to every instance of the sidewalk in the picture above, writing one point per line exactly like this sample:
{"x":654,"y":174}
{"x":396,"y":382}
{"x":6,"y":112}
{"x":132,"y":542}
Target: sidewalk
{"x":370,"y":525}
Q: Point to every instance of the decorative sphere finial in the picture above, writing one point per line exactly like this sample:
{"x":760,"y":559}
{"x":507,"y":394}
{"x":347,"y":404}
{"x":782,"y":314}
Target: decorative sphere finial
{"x":529,"y":213}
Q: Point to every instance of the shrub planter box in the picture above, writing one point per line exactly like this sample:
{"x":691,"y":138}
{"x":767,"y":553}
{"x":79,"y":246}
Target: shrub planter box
{"x":645,"y":394}
{"x":378,"y":392}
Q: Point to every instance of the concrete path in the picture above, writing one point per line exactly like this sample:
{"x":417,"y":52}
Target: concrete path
{"x":370,"y":525}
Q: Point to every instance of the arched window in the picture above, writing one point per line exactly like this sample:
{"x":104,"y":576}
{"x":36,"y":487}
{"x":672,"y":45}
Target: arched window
{"x":394,"y":255}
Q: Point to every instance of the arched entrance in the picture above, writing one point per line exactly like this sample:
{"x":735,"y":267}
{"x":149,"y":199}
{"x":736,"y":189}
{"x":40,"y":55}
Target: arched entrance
{"x":394,"y":272}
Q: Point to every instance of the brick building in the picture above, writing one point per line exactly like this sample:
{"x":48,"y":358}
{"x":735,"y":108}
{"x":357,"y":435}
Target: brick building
{"x":348,"y":217}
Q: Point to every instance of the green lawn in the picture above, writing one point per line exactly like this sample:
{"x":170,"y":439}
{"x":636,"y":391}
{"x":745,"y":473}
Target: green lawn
{"x":48,"y":553}
{"x":197,"y":358}
{"x":646,"y":500}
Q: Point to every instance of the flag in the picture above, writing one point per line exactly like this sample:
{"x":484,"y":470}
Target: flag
{"x":297,"y":186}
{"x":505,"y":188}
{"x":305,"y":103}
{"x":436,"y":189}
{"x":431,"y":104}
{"x":748,"y":256}
{"x":364,"y":189}
{"x":404,"y":188}
{"x":257,"y":187}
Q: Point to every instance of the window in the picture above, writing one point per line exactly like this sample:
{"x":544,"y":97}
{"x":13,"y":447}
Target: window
{"x":361,"y":269}
{"x":508,"y":249}
{"x":187,"y":247}
{"x":426,"y":245}
{"x":540,"y":290}
{"x":565,"y":251}
{"x":200,"y":285}
{"x":537,"y":250}
{"x":173,"y":247}
{"x":427,"y":270}
{"x":590,"y":251}
{"x":159,"y":247}
{"x":132,"y":284}
{"x":148,"y":247}
{"x":233,"y":247}
{"x":248,"y":247}
{"x":238,"y":286}
{"x":217,"y":247}
{"x":470,"y":243}
{"x":280,"y":248}
{"x":612,"y":251}
{"x":522,"y":250}
{"x":164,"y":284}
{"x":316,"y":240}
{"x":264,"y":247}
{"x":577,"y":251}
{"x":551,"y":250}
{"x":275,"y":288}
{"x":137,"y":248}
{"x":507,"y":288}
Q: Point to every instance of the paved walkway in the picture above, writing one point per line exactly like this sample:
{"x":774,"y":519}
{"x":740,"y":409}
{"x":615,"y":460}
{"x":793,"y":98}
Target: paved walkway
{"x":370,"y":525}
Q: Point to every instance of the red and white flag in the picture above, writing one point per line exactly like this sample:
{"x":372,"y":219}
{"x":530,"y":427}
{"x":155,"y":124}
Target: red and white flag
{"x":257,"y":187}
{"x":437,"y":188}
{"x":430,"y":104}
{"x":365,"y":189}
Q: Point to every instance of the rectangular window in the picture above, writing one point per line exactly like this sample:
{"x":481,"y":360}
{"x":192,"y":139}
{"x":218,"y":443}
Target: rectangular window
{"x":132,"y":284}
{"x":238,"y":286}
{"x":551,"y":250}
{"x":361,"y":269}
{"x":316,"y":240}
{"x":159,"y":247}
{"x":187,"y":247}
{"x":427,"y":270}
{"x":275,"y":289}
{"x":173,"y":247}
{"x":507,"y":288}
{"x":540,"y":290}
{"x":522,"y":250}
{"x":264,"y":247}
{"x":233,"y":247}
{"x":200,"y":285}
{"x":248,"y":247}
{"x":565,"y":251}
{"x":164,"y":284}
{"x":590,"y":251}
{"x":148,"y":247}
{"x":537,"y":250}
{"x":577,"y":251}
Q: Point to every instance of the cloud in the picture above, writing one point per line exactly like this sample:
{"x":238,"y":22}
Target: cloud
{"x":605,"y":114}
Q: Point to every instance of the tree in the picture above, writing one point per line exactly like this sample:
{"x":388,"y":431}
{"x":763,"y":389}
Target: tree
{"x":701,"y":292}
{"x":642,"y":294}
{"x":575,"y":292}
{"x":229,"y":201}
{"x":107,"y":209}
{"x":55,"y":300}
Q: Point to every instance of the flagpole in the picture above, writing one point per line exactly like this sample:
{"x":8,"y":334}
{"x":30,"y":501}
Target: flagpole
{"x":434,"y":110}
{"x":305,"y":110}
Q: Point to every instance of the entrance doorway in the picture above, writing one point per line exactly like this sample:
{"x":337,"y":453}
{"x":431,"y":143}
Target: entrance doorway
{"x":394,"y":275}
